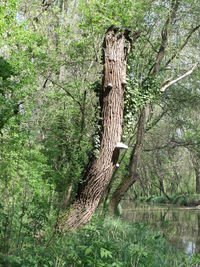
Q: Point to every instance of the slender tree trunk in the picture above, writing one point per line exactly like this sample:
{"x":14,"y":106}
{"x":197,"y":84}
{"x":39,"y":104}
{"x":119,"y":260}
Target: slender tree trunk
{"x":196,"y":165}
{"x":130,"y":179}
{"x":198,"y":183}
{"x":198,"y":237}
{"x":159,"y":173}
{"x":115,"y":50}
{"x":197,"y":173}
{"x":162,"y":188}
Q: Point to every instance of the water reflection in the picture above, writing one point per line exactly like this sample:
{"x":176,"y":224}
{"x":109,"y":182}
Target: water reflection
{"x":181,"y":226}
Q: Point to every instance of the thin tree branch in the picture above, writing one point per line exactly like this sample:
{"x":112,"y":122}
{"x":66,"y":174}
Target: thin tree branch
{"x":183,"y":45}
{"x":172,"y":144}
{"x":169,"y":83}
{"x":153,"y":48}
{"x":165,"y":35}
{"x":155,"y":121}
{"x":66,"y":91}
{"x":45,"y":7}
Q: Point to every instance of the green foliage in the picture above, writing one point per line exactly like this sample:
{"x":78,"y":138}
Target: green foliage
{"x":49,"y":83}
{"x":5,"y":69}
{"x":108,"y":243}
{"x":185,"y":199}
{"x":158,"y":199}
{"x":126,"y":14}
{"x":68,"y":156}
{"x":21,"y":51}
{"x":137,"y":95}
{"x":196,"y":260}
{"x":178,"y":199}
{"x":7,"y":14}
{"x":24,"y":198}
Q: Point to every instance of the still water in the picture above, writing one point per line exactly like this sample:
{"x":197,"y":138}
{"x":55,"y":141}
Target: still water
{"x":181,"y":226}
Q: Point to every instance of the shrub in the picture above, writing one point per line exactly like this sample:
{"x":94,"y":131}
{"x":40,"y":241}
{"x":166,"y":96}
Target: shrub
{"x":159,"y":200}
{"x":102,"y":243}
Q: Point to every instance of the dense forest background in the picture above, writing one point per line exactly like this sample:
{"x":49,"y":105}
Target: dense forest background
{"x":51,"y":71}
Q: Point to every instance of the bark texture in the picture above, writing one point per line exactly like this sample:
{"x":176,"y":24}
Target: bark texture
{"x":116,"y":47}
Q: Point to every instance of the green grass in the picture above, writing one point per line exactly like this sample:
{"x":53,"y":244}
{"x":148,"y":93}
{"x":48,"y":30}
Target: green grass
{"x":111,"y":242}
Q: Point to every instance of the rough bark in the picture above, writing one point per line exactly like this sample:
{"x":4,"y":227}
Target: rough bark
{"x":115,"y":50}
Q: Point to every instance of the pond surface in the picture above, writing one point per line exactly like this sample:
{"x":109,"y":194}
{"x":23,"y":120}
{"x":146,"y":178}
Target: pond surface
{"x":181,"y":226}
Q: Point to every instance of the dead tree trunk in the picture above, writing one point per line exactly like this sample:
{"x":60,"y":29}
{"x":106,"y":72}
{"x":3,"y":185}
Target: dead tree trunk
{"x":116,"y":47}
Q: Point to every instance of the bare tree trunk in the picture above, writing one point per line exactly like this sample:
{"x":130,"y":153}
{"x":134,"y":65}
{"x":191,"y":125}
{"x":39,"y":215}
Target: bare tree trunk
{"x":116,"y":48}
